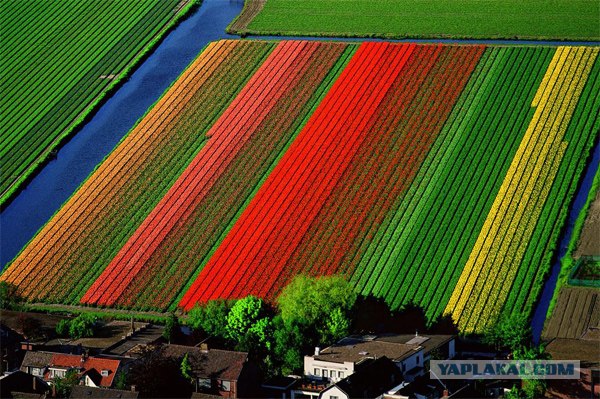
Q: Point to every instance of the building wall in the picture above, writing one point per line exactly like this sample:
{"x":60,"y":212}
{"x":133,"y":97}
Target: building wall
{"x":333,"y":393}
{"x":452,"y":349}
{"x":310,"y":364}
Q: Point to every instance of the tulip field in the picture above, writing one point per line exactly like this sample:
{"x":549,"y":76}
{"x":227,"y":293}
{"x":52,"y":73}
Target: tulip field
{"x":438,"y":175}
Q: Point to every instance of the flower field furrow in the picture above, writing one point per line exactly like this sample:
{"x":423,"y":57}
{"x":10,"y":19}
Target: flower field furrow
{"x":90,"y":192}
{"x":522,"y":195}
{"x":438,"y":175}
{"x":127,"y":199}
{"x":325,"y":167}
{"x":201,"y":174}
{"x":99,"y":236}
{"x":196,"y":234}
{"x":357,"y":185}
{"x":272,"y":194}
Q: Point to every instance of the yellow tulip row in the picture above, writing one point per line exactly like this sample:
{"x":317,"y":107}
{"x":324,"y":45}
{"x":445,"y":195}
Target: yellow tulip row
{"x":495,"y":259}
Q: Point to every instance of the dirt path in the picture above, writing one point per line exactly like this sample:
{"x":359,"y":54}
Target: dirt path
{"x":589,"y":242}
{"x":251,"y":10}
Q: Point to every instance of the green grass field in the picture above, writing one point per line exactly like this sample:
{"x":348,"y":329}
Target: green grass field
{"x":533,"y":19}
{"x":59,"y":58}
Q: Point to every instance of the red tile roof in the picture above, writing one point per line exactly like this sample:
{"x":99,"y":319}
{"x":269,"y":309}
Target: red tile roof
{"x":88,"y":364}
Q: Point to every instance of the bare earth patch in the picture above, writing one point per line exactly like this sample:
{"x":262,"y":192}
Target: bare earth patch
{"x":251,"y":10}
{"x":589,"y":242}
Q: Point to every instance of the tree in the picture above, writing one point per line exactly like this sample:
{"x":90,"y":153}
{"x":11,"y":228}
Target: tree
{"x":83,"y":326}
{"x":242,"y":316}
{"x":211,"y":318}
{"x":121,"y":380}
{"x":62,"y":328}
{"x":289,"y":344}
{"x":338,"y":326}
{"x":9,"y":298}
{"x":159,"y":376}
{"x":511,"y":332}
{"x":171,"y":328}
{"x":64,"y":385}
{"x":186,"y":368}
{"x":319,"y":304}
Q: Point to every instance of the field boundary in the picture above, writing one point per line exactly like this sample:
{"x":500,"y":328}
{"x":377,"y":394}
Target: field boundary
{"x":240,"y":23}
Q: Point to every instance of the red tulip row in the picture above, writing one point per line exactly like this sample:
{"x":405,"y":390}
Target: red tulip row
{"x":253,"y":254}
{"x":226,"y":139}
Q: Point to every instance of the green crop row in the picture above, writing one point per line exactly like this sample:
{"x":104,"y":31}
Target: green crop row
{"x":42,"y":107}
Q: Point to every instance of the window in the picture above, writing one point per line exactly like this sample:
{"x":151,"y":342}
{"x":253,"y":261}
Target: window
{"x":204,"y":383}
{"x":332,"y":373}
{"x":318,"y":372}
{"x":37,"y":371}
{"x":57,"y":373}
{"x":333,"y":397}
{"x":340,"y":374}
{"x":104,"y":373}
{"x":226,"y":386}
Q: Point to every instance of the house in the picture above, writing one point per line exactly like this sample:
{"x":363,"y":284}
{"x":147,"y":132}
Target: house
{"x":279,"y":386}
{"x":10,"y":350}
{"x":373,"y":380}
{"x":92,"y":371}
{"x":83,"y":392}
{"x":218,"y":372}
{"x":410,"y":353}
{"x":20,"y":385}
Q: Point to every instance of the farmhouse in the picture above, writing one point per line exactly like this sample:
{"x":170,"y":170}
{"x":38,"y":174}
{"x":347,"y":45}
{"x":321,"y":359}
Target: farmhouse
{"x":409,"y":352}
{"x":334,"y":365}
{"x":92,"y":371}
{"x":218,"y":372}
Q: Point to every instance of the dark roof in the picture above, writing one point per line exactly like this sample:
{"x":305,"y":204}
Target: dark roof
{"x":213,"y":363}
{"x":372,"y":380}
{"x":18,"y":383}
{"x":357,"y":350}
{"x":428,"y":342}
{"x":36,"y":359}
{"x":280,"y":382}
{"x":202,"y":395}
{"x":80,"y":392}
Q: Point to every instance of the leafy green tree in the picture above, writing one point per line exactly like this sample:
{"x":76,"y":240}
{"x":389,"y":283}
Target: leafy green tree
{"x":8,"y":296}
{"x":289,"y":344}
{"x":243,"y":315}
{"x":171,"y":328}
{"x":62,"y":328}
{"x":320,"y":305}
{"x":337,"y":326}
{"x":186,"y":368}
{"x":531,"y":388}
{"x":311,"y":300}
{"x":83,"y":326}
{"x":512,"y":332}
{"x":64,"y":385}
{"x":121,"y":380}
{"x":211,"y":318}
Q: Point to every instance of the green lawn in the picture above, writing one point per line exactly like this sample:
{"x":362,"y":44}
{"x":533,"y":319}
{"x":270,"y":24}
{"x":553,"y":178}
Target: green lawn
{"x":529,"y":19}
{"x":59,"y":58}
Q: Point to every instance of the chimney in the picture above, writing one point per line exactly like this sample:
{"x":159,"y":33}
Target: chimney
{"x":416,"y":333}
{"x":204,"y":347}
{"x":317,"y":351}
{"x":133,"y":388}
{"x":445,"y":394}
